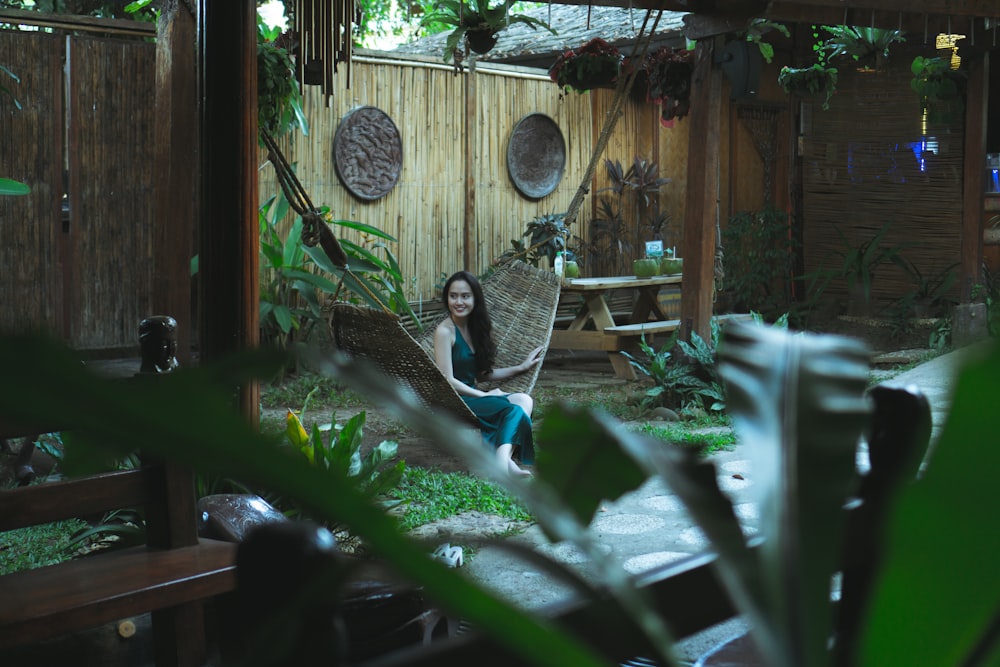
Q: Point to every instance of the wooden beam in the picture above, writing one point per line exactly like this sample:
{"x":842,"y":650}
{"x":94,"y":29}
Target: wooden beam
{"x":175,"y":175}
{"x":701,"y":207}
{"x":228,"y":228}
{"x":77,"y":23}
{"x":858,"y":11}
{"x":976,"y":102}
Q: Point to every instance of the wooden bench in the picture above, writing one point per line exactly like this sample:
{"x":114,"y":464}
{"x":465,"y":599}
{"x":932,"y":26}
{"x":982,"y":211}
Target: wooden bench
{"x":170,"y":576}
{"x":664,"y":326}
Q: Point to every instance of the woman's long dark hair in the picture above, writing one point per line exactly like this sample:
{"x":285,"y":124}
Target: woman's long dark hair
{"x":480,"y":324}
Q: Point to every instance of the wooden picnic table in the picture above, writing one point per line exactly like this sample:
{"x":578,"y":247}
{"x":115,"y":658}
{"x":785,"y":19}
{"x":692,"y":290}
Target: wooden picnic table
{"x":647,"y":317}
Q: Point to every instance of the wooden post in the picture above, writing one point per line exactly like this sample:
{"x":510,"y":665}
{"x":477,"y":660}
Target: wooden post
{"x":175,"y":170}
{"x":973,"y":167}
{"x":471,"y":147}
{"x":701,"y":205}
{"x":229,"y":253}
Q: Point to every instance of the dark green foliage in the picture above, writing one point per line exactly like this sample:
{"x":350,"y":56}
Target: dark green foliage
{"x":475,"y":16}
{"x":279,"y":103}
{"x":684,"y":373}
{"x":939,"y":88}
{"x":336,"y":448}
{"x":759,"y":261}
{"x":295,"y":276}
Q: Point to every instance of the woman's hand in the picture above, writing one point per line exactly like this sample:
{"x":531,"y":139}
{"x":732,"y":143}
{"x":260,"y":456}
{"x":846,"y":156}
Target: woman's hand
{"x":534,"y":357}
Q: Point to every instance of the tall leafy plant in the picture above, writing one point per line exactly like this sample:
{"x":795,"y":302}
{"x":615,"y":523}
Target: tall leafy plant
{"x":297,"y":279}
{"x":632,"y":205}
{"x":759,"y":261}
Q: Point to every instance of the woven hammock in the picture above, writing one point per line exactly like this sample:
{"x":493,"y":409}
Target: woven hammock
{"x":522,"y":303}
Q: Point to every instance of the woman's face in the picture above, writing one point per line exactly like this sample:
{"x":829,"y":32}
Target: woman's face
{"x":460,"y":299}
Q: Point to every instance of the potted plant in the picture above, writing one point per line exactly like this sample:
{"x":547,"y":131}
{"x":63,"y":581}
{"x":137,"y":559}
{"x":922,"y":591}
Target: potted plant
{"x":475,"y":24}
{"x":668,"y":82}
{"x":939,"y":87}
{"x":816,"y":79}
{"x":868,"y":47}
{"x":596,"y":64}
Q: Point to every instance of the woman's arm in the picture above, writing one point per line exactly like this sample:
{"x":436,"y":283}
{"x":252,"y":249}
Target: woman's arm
{"x":533,"y":358}
{"x":444,"y":339}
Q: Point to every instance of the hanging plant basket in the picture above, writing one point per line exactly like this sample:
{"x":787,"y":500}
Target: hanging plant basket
{"x":481,"y":41}
{"x":940,"y":88}
{"x":596,"y":64}
{"x":668,"y":82}
{"x":817,"y":80}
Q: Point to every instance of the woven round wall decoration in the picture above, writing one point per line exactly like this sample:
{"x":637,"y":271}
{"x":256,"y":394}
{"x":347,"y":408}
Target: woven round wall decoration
{"x":536,"y":155}
{"x":368,"y":153}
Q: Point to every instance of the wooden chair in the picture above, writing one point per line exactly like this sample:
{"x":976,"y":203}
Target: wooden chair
{"x":522,"y":301}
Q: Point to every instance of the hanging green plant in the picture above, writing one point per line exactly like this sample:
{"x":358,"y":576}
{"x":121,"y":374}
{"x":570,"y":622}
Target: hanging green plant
{"x":596,"y":64}
{"x":817,"y":79}
{"x":868,"y":47}
{"x":940,"y":88}
{"x":279,"y":103}
{"x":475,"y":25}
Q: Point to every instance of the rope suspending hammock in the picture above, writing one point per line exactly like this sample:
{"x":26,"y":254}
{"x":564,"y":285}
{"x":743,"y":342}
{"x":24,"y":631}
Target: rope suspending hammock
{"x":315,"y":231}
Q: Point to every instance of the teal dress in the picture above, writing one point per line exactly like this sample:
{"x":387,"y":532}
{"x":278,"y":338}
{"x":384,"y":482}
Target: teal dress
{"x":499,"y":420}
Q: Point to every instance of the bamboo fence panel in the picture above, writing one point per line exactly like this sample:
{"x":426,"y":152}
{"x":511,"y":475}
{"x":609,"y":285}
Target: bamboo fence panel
{"x":502,"y":213}
{"x":869,"y":162}
{"x":425,"y":211}
{"x":30,"y":285}
{"x":111,"y":189}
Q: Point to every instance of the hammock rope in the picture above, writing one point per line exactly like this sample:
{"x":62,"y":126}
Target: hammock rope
{"x":315,"y":231}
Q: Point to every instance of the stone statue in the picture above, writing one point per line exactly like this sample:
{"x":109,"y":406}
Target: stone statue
{"x":158,"y":342}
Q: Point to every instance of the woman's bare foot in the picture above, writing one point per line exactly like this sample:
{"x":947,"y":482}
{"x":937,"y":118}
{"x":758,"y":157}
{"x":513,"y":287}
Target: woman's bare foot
{"x":516,"y":471}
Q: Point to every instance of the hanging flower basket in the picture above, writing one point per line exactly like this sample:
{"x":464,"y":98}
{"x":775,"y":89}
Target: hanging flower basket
{"x":596,"y":64}
{"x":668,"y":82}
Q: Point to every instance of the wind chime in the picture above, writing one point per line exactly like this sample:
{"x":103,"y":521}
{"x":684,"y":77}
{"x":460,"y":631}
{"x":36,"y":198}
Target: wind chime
{"x":324,"y":28}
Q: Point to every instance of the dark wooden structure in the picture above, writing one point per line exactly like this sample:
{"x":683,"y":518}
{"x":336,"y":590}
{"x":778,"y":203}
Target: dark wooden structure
{"x":171,"y":575}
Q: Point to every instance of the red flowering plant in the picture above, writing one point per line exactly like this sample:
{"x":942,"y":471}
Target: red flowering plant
{"x":593,"y":65}
{"x":668,"y":75}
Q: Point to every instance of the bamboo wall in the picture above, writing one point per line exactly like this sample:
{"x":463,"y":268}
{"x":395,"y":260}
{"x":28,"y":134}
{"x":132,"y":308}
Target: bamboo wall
{"x":864,"y":167}
{"x":426,"y":210}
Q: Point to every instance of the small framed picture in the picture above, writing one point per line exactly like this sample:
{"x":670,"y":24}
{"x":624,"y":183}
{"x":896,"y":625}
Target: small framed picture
{"x":654,"y":248}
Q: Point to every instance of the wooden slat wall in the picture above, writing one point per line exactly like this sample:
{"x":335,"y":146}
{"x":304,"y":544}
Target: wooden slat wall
{"x":858,"y":184}
{"x":111,"y":189}
{"x":31,"y":152}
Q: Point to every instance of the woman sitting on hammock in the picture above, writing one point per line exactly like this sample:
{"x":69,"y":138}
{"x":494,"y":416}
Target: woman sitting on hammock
{"x":464,"y":351}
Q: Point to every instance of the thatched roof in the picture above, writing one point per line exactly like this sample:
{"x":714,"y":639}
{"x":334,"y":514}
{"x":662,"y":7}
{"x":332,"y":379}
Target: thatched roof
{"x":520,"y":44}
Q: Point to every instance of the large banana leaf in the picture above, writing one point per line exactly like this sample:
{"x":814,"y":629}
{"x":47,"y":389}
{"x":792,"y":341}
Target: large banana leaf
{"x":938,"y":600}
{"x":798,"y":406}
